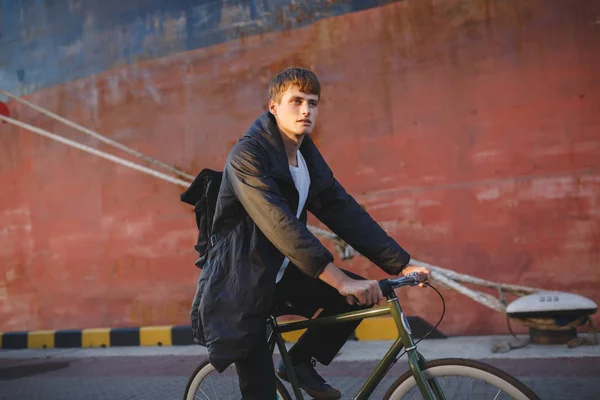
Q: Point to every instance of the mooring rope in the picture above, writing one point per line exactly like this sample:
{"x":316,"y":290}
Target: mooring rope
{"x":99,"y":153}
{"x":451,"y":280}
{"x":96,"y":135}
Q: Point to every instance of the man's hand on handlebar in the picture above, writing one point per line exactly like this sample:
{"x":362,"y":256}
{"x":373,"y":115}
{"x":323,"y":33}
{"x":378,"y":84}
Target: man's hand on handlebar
{"x":363,"y":292}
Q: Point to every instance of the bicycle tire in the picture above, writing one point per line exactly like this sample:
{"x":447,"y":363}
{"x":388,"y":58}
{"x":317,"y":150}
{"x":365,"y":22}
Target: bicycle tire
{"x":205,"y":369}
{"x":464,"y":368}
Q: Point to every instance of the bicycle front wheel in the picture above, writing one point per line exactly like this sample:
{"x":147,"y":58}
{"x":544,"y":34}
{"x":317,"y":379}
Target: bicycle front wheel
{"x":207,"y":383}
{"x":462,"y":379}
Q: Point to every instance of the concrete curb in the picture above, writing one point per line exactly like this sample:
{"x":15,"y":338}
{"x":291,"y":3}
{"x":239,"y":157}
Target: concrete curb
{"x":378,"y":328}
{"x":471,"y":347}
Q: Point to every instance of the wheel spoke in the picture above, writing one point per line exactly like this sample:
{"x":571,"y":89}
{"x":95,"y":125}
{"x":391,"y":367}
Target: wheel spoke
{"x":213,"y":387}
{"x":497,"y":394}
{"x":232,"y":387}
{"x":202,"y":391}
{"x":470,"y":388}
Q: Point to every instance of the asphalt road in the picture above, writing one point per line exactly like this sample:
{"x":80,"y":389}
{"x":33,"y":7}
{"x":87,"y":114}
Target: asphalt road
{"x":162,"y":373}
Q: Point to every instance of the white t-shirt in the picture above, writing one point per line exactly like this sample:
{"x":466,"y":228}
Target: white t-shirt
{"x":302,"y":182}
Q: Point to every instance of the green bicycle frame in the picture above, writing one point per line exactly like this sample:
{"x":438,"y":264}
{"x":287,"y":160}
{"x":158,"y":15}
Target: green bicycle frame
{"x":404,"y":339}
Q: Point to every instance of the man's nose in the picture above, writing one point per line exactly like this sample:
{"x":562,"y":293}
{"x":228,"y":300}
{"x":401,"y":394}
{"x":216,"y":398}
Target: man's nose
{"x":305,"y":109}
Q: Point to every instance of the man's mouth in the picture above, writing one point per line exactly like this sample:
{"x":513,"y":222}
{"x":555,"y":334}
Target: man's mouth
{"x":305,"y":121}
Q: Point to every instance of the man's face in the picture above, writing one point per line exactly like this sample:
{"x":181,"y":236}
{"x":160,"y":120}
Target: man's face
{"x":296,"y":113}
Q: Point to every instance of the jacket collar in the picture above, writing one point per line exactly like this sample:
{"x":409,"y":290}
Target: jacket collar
{"x":266,"y":131}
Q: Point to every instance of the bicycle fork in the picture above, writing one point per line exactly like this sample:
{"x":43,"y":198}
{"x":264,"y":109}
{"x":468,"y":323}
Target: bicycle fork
{"x":416,"y":361}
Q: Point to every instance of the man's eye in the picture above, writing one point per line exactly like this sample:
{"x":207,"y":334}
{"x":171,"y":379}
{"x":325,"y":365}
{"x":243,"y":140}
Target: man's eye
{"x":313,"y":103}
{"x":298,"y":101}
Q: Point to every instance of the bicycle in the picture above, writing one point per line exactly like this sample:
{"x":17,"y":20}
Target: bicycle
{"x":424,"y":378}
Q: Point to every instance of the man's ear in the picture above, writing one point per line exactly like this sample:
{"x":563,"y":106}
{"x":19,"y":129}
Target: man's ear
{"x":272,"y":107}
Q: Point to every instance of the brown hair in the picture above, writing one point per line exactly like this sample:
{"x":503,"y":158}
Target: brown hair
{"x":305,"y":79}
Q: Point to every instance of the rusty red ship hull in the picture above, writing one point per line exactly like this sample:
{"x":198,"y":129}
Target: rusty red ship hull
{"x":469,"y":129}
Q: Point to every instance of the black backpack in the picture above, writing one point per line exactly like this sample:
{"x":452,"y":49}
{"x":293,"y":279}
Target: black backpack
{"x":203,"y":194}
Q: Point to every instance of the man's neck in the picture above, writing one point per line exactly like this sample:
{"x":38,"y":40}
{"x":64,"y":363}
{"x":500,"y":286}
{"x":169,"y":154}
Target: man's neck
{"x":291,"y":149}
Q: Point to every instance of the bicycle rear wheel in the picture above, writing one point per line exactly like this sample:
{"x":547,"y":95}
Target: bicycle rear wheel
{"x":462,"y":379}
{"x":207,"y":384}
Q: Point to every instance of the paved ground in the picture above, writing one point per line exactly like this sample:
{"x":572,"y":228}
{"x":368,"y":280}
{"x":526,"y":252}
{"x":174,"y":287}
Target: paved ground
{"x":554,"y":372}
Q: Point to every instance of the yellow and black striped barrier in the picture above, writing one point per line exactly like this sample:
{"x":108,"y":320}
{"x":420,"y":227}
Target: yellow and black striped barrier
{"x":102,"y":337}
{"x":379,"y":328}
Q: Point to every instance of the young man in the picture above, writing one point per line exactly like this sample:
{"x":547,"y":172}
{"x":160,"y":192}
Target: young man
{"x":265,"y":259}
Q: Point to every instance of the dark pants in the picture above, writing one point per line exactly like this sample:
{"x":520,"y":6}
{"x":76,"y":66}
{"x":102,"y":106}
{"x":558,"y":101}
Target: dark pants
{"x":298,"y":294}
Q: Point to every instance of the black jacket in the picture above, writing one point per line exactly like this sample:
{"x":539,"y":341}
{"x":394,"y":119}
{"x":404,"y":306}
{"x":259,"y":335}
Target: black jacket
{"x":256,"y":226}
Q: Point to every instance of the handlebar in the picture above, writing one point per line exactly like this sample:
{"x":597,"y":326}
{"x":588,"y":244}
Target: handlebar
{"x":388,"y":285}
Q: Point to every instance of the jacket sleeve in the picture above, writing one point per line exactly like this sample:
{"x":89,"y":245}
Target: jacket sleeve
{"x":264,"y":203}
{"x":347,"y":219}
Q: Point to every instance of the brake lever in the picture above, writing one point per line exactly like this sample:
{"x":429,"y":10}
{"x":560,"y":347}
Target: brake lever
{"x":415,"y":278}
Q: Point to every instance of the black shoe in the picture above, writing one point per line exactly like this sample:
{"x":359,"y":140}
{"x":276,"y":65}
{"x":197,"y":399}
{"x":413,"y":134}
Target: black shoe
{"x":310,"y":381}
